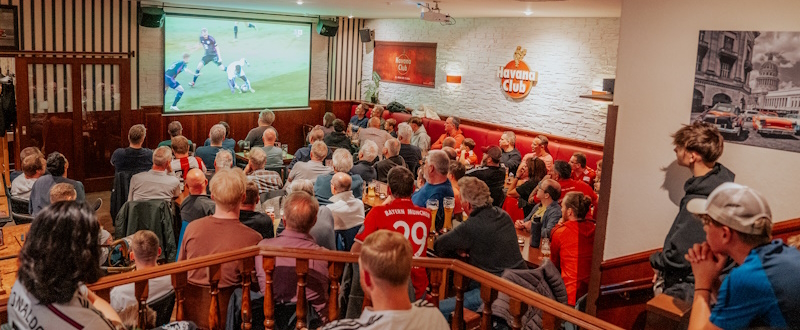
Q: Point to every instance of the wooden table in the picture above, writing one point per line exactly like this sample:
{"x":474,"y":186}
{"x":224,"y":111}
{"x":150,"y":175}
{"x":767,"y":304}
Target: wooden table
{"x":12,"y":240}
{"x":533,"y":256}
{"x":8,"y":273}
{"x":372,"y":201}
{"x":287,"y":158}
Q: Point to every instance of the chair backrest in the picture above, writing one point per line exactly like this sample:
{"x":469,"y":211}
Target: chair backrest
{"x":280,"y":169}
{"x":198,"y":302}
{"x":163,"y":307}
{"x":20,"y":219}
{"x":18,"y":205}
{"x":272,"y":194}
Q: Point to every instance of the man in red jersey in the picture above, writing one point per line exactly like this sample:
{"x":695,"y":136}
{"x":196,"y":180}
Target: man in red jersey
{"x":402,"y":216}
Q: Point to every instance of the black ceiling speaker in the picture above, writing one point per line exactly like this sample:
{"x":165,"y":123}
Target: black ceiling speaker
{"x":151,"y":17}
{"x":367,"y":35}
{"x":327,"y":28}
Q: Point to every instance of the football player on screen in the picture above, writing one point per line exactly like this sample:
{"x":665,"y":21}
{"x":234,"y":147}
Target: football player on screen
{"x":209,"y":44}
{"x":236,"y":70}
{"x":170,"y":82}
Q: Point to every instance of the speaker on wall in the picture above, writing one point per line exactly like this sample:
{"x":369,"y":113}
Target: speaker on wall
{"x":327,"y":28}
{"x":366,"y":35}
{"x":151,"y":17}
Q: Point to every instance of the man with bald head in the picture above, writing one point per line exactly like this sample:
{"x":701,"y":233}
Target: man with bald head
{"x":274,"y":154}
{"x":392,"y":158}
{"x":374,"y":133}
{"x":157,"y":183}
{"x":348,"y":211}
{"x":198,"y":204}
{"x":437,"y":186}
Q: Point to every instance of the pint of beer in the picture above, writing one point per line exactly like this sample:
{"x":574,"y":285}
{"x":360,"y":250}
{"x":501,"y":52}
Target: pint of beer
{"x":433,"y":206}
{"x":449,"y":205}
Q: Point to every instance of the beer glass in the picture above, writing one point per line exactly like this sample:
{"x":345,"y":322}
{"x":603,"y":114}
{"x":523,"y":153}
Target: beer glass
{"x":449,"y":205}
{"x":433,"y":206}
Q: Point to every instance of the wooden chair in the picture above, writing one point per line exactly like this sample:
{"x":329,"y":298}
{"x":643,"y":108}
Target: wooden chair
{"x":667,"y":312}
{"x":197,"y":304}
{"x":163,"y":307}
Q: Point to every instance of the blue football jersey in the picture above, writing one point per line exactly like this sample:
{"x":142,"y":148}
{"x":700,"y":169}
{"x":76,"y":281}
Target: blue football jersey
{"x":175,"y":68}
{"x":209,"y":44}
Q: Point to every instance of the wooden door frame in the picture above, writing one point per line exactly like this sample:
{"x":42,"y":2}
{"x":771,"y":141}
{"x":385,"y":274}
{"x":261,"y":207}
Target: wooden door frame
{"x":22,"y":91}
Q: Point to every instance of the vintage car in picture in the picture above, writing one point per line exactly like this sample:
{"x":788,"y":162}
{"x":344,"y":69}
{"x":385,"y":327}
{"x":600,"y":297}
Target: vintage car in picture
{"x":726,"y":117}
{"x":795,"y":118}
{"x":748,"y":115}
{"x":768,"y":123}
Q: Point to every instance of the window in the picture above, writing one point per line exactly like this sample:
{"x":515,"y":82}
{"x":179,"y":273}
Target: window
{"x":702,"y":35}
{"x":699,"y":62}
{"x":726,"y":69}
{"x":728,"y":44}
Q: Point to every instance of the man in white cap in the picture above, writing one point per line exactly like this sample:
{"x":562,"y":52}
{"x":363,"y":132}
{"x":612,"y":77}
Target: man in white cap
{"x":763,"y":290}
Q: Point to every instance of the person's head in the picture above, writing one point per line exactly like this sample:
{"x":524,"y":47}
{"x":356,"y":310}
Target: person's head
{"x":162,"y":156}
{"x":227,"y":128}
{"x":449,"y":142}
{"x":300,"y":211}
{"x":698,"y":142}
{"x":361,"y":109}
{"x":474,"y":193}
{"x":60,"y":192}
{"x":136,"y":134}
{"x":30,"y":151}
{"x":390,"y":124}
{"x":145,"y":249}
{"x":303,"y":185}
{"x":578,"y":161}
{"x":492,"y":156}
{"x":342,"y":160}
{"x":374,"y":122}
{"x":204,"y":32}
{"x":508,"y":139}
{"x":223,"y":160}
{"x":468,"y":144}
{"x":258,"y":159}
{"x":451,"y":123}
{"x":537,"y":169}
{"x":368,"y":151}
{"x":401,"y":182}
{"x":266,"y":117}
{"x":328,"y":118}
{"x":456,"y":171}
{"x":575,"y":206}
{"x":539,"y":145}
{"x":404,"y":133}
{"x":415,"y":123}
{"x":196,"y":182}
{"x":733,"y":214}
{"x":391,"y":148}
{"x":186,"y":57}
{"x":549,"y":191}
{"x":338,"y":125}
{"x":377,"y":111}
{"x":33,"y":165}
{"x":57,"y":164}
{"x":341,"y":182}
{"x":319,"y":151}
{"x":175,"y":128}
{"x":562,"y":170}
{"x":180,"y":145}
{"x":451,"y":152}
{"x":217,"y":134}
{"x":436,"y":166}
{"x":251,"y":196}
{"x":51,"y":264}
{"x":270,"y":136}
{"x":227,"y":189}
{"x":316,"y":134}
{"x":385,"y":261}
{"x":599,"y":168}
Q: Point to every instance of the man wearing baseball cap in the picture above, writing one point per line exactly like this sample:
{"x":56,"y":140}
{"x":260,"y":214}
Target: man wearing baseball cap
{"x":762,"y":291}
{"x":491,"y":173}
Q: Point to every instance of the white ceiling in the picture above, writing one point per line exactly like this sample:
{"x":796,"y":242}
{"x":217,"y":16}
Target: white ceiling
{"x":409,"y":9}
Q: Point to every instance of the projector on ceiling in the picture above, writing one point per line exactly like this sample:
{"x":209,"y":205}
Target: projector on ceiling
{"x":432,"y":16}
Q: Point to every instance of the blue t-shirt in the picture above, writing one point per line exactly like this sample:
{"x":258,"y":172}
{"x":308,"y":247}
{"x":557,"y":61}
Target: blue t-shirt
{"x":210,"y":45}
{"x":358,"y":123}
{"x":431,"y":191}
{"x":175,"y":69}
{"x":762,"y":292}
{"x":209,"y":153}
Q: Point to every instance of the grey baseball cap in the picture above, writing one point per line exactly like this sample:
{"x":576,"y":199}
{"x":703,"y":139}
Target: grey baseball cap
{"x":735,"y":206}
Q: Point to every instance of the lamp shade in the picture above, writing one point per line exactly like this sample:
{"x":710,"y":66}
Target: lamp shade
{"x":454,"y":79}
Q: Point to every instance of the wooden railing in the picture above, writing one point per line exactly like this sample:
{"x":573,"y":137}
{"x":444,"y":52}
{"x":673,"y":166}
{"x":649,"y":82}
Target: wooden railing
{"x":520,"y":298}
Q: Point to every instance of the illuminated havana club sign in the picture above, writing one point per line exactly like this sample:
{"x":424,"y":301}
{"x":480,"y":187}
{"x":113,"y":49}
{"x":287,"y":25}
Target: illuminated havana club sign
{"x":516,"y":78}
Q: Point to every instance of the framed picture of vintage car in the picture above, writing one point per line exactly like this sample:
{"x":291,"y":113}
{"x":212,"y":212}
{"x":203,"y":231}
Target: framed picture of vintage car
{"x":9,"y":28}
{"x":747,"y":84}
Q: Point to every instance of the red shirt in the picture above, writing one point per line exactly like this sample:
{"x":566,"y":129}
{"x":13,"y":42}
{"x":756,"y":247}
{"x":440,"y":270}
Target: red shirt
{"x":571,"y":251}
{"x":587,"y":176}
{"x":402,"y":216}
{"x":573,"y":185}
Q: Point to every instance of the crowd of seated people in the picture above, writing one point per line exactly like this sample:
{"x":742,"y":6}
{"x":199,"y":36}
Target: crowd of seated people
{"x":321,"y":207}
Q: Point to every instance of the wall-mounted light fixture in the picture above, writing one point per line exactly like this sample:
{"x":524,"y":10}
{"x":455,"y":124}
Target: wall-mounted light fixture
{"x":453,"y":79}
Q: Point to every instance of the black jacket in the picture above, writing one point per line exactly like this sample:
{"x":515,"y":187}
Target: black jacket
{"x":545,"y":280}
{"x":366,"y":170}
{"x":382,"y":167}
{"x":338,"y":140}
{"x":495,"y":178}
{"x":687,"y":230}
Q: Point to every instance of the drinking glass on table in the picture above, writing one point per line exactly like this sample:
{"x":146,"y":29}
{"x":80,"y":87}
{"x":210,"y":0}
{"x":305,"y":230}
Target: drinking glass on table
{"x":246,"y":148}
{"x":545,"y":247}
{"x":449,"y":205}
{"x":433,"y":206}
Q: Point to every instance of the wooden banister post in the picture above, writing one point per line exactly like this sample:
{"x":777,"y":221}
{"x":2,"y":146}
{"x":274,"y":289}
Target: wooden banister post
{"x":436,"y":278}
{"x":141,"y":289}
{"x":179,"y":282}
{"x":214,"y":274}
{"x":248,"y":265}
{"x":269,"y":305}
{"x":302,"y":272}
{"x":517,"y":309}
{"x":334,"y":275}
{"x":458,"y":313}
{"x":488,"y":295}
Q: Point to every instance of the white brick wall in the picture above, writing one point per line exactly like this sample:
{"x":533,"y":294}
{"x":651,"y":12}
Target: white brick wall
{"x":572,"y":56}
{"x":151,"y":70}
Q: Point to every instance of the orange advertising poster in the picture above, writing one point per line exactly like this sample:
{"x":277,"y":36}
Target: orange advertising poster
{"x":411,"y":63}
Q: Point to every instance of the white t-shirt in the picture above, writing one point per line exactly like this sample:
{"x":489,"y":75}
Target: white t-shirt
{"x":21,"y":187}
{"x":422,"y":315}
{"x":124,"y":295}
{"x":232,"y":69}
{"x":25,"y":312}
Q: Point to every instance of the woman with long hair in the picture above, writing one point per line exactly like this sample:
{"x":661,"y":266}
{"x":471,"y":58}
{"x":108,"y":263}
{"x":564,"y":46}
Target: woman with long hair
{"x":537,"y":169}
{"x":58,"y":258}
{"x":572,"y":244}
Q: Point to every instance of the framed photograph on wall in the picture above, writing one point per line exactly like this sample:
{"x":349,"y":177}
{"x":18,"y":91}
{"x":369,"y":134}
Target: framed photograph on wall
{"x":412,"y":63}
{"x":9,"y":28}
